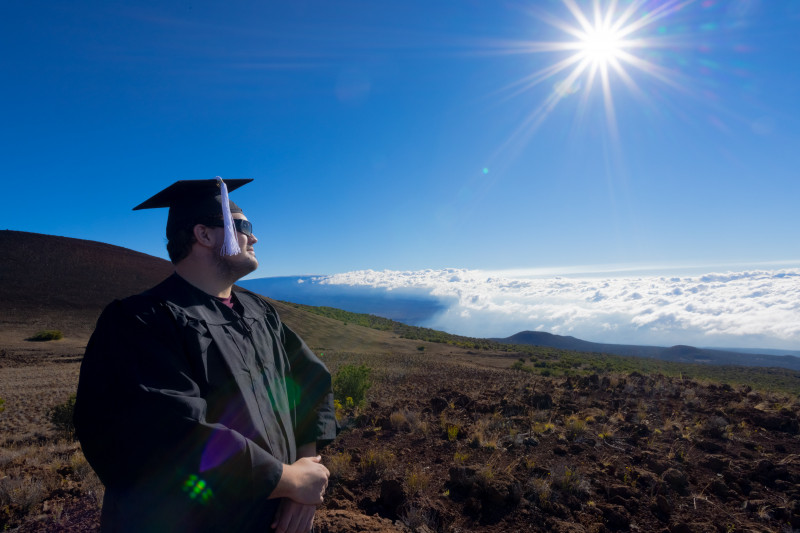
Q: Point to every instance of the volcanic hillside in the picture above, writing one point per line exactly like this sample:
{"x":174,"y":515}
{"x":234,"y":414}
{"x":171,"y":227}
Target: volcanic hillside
{"x":63,"y":283}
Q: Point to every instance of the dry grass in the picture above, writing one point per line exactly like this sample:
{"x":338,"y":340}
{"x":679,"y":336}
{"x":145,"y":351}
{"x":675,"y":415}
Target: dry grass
{"x":417,"y":480}
{"x":38,"y":467}
{"x":34,"y":477}
{"x":375,"y":462}
{"x":30,"y":392}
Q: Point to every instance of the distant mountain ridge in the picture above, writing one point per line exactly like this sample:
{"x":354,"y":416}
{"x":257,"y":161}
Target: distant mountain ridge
{"x":679,"y":353}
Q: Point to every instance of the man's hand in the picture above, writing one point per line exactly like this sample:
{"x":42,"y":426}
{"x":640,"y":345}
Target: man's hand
{"x":304,"y":481}
{"x":293,"y":517}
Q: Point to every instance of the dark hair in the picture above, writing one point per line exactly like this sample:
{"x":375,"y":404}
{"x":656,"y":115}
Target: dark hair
{"x":180,"y":244}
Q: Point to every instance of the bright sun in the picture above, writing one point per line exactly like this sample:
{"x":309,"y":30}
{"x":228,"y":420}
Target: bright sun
{"x":604,"y":42}
{"x":601,"y":46}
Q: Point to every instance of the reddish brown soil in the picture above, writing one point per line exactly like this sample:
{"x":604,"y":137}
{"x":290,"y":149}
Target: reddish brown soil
{"x":654,"y":454}
{"x":595,"y":454}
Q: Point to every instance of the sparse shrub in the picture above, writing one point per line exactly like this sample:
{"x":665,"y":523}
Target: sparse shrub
{"x":541,"y":490}
{"x":452,"y":432}
{"x":94,"y":488}
{"x":80,"y":466}
{"x":606,"y":433}
{"x":568,"y":480}
{"x":61,"y":417}
{"x":485,"y":431}
{"x":375,"y":462}
{"x":2,"y":405}
{"x":338,"y":465}
{"x":689,"y":396}
{"x":339,"y":413}
{"x":574,"y":427}
{"x":485,"y":475}
{"x":520,"y":365}
{"x":6,"y":487}
{"x":47,"y":335}
{"x":450,"y":426}
{"x":460,"y":458}
{"x":421,"y":348}
{"x":415,"y":422}
{"x":539,"y":428}
{"x":416,"y":518}
{"x":716,"y":427}
{"x":352,"y":381}
{"x":417,"y":480}
{"x":28,"y":494}
{"x":630,"y":477}
{"x":398,"y":420}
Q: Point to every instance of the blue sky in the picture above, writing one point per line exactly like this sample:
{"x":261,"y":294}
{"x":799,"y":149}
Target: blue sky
{"x":410,"y":135}
{"x":393,"y":134}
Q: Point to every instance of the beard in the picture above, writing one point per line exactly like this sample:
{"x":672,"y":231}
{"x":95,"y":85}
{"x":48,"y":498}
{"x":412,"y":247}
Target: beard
{"x":235,"y":267}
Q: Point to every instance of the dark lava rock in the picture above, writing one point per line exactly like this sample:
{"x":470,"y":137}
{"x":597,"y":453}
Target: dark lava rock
{"x":575,"y":449}
{"x":438,"y":405}
{"x":721,"y":489}
{"x":616,"y":517}
{"x":785,"y":422}
{"x":709,"y":446}
{"x":680,"y":527}
{"x":462,"y":477}
{"x":715,"y":463}
{"x":539,"y":401}
{"x":755,"y":505}
{"x":661,"y":507}
{"x":676,"y":479}
{"x":392,"y":497}
{"x":619,"y":490}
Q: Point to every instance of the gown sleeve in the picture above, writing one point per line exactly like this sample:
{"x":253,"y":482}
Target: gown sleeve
{"x":315,"y":412}
{"x":141,"y":419}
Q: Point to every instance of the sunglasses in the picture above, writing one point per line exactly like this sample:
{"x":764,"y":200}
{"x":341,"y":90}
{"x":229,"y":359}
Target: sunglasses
{"x":242,"y":226}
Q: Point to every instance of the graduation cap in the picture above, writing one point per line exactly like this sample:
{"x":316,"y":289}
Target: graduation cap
{"x":193,"y":202}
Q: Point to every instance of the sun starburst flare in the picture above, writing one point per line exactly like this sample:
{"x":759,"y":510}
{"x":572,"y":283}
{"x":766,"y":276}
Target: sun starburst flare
{"x":611,"y":41}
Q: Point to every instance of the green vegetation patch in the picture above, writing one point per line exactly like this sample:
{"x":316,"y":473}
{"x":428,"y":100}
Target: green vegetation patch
{"x":351,"y":384}
{"x":47,"y":335}
{"x":555,"y":362}
{"x":61,"y":417}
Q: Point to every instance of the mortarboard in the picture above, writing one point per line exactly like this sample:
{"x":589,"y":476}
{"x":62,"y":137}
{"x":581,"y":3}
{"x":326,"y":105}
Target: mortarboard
{"x":196,"y":202}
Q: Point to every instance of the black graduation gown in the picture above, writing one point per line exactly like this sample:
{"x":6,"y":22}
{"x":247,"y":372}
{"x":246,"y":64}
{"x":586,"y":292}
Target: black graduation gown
{"x":187,"y":410}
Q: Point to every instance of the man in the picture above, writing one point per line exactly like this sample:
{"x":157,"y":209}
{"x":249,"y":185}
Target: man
{"x":197,"y":407}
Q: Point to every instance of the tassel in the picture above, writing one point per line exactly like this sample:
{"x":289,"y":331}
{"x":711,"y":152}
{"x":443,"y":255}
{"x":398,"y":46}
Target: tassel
{"x":230,"y":244}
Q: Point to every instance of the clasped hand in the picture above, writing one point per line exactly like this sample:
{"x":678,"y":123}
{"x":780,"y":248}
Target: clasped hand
{"x":308,"y":479}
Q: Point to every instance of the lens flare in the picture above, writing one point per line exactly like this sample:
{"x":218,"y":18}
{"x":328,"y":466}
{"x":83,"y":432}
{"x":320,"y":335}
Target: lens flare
{"x":605,"y":45}
{"x":197,"y":489}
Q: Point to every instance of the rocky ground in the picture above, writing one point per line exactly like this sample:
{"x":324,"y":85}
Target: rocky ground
{"x":450,"y":445}
{"x":457,"y":449}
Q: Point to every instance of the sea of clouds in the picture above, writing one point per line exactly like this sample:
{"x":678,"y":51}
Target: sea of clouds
{"x":754,"y":308}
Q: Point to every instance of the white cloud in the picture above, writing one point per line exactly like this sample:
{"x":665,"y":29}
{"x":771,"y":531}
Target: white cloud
{"x":754,"y":308}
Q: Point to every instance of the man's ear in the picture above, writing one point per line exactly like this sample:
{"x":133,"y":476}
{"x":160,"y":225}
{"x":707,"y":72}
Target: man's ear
{"x":204,"y":236}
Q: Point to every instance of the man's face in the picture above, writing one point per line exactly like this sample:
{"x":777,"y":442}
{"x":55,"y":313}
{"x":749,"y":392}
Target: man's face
{"x":244,"y":262}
